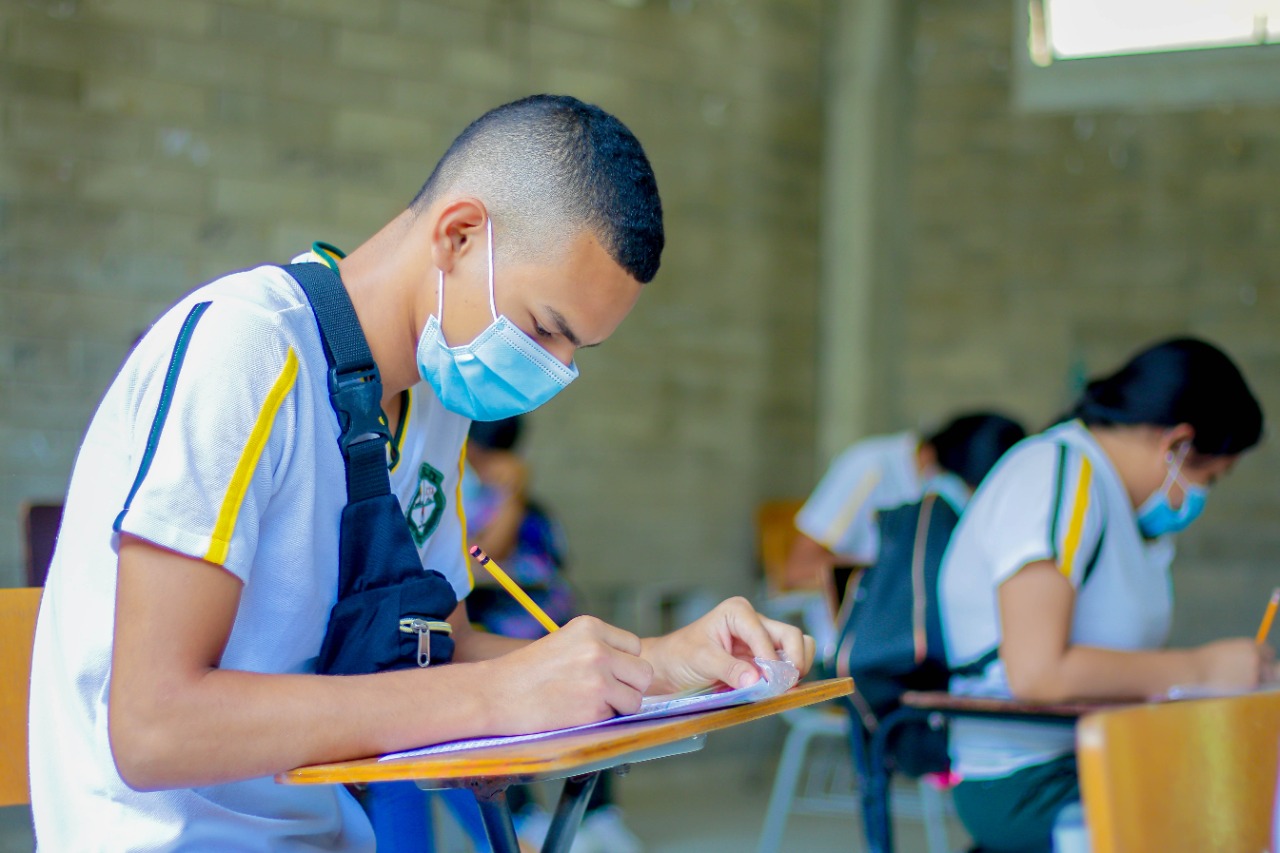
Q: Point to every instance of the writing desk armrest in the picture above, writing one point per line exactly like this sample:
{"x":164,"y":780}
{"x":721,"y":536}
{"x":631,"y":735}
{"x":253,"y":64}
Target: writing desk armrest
{"x":952,"y":705}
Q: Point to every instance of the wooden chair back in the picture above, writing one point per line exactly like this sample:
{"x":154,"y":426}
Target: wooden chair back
{"x":1197,"y":775}
{"x":40,"y":524}
{"x":775,"y":534}
{"x":17,"y":633}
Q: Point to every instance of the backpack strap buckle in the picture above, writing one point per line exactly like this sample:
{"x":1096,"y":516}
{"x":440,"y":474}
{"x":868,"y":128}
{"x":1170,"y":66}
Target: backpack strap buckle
{"x":357,"y":398}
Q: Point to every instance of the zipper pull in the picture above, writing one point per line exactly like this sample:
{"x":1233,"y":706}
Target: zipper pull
{"x":424,"y":641}
{"x":422,"y":628}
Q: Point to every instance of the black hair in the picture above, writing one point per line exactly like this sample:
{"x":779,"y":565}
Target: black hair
{"x":495,"y":435}
{"x":555,"y":156}
{"x":970,"y":445}
{"x":1179,"y":381}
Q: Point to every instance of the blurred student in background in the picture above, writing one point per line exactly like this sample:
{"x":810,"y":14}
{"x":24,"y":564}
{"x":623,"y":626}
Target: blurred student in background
{"x":514,"y":530}
{"x":1056,"y":585}
{"x":838,"y":527}
{"x":837,"y":523}
{"x":518,"y":533}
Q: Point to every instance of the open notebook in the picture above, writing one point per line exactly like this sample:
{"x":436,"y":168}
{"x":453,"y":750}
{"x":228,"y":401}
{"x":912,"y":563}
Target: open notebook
{"x":778,"y":678}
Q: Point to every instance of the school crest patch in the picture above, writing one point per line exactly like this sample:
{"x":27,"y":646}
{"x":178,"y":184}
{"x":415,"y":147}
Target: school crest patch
{"x":427,"y":505}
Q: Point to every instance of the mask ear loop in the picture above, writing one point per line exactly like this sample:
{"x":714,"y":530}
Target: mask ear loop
{"x":1175,"y":461}
{"x":493,"y":308}
{"x":440,"y":284}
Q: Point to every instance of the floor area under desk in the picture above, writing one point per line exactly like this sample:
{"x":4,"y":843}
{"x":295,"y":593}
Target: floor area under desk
{"x":714,"y":801}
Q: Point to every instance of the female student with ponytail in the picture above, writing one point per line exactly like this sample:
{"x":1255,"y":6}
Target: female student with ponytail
{"x":1056,"y":583}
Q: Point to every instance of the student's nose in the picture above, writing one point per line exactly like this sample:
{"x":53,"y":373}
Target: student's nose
{"x":561,"y":350}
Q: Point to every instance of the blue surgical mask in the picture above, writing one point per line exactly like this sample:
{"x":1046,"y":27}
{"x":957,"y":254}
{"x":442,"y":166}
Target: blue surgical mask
{"x":1156,"y":516}
{"x":501,"y":374}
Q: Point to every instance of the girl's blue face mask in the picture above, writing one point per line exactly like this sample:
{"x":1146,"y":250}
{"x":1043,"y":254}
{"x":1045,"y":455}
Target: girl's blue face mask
{"x":500,"y":374}
{"x":1156,"y":516}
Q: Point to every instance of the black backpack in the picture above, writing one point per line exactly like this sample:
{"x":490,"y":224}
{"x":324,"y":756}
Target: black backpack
{"x":390,"y":612}
{"x":891,"y":641}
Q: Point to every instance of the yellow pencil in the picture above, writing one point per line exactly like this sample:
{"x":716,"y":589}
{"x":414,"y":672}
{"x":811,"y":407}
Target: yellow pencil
{"x":1265,"y":628}
{"x":516,"y":592}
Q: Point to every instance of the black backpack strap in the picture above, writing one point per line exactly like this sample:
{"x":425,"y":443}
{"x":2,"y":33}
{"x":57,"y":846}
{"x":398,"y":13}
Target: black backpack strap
{"x":355,"y":388}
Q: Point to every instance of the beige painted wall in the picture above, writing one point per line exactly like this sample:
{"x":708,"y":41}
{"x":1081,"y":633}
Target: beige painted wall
{"x":1048,"y":247}
{"x":148,"y":145}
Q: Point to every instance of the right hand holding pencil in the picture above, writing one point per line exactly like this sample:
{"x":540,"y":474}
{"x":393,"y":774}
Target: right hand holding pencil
{"x":584,"y":672}
{"x":1237,"y":663}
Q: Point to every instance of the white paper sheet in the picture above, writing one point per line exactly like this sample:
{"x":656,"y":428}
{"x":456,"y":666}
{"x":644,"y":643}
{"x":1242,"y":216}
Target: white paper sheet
{"x":778,"y":678}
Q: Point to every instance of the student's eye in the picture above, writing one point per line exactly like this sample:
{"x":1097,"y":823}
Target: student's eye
{"x":540,"y":331}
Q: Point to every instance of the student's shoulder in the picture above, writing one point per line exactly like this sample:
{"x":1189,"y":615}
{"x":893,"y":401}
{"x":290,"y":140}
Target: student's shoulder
{"x":239,"y":333}
{"x":874,"y":451}
{"x":1035,"y":457}
{"x":254,"y":313}
{"x":260,"y":297}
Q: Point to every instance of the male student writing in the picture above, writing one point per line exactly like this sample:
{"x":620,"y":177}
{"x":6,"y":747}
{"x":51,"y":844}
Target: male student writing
{"x":174,"y":664}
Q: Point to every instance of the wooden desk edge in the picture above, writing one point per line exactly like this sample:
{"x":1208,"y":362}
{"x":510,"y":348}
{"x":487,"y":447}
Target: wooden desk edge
{"x":565,"y":751}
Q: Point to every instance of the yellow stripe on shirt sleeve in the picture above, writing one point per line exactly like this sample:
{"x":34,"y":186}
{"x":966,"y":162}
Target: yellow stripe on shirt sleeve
{"x":1079,"y":510}
{"x":849,"y":511}
{"x":462,"y":514}
{"x":225,"y":526}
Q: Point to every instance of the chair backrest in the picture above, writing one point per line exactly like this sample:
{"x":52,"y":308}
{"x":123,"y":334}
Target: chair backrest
{"x":17,"y":632}
{"x":1197,"y":775}
{"x":40,"y":523}
{"x":775,"y":534}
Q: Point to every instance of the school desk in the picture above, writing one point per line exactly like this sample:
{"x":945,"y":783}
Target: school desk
{"x":579,"y":758}
{"x":871,"y":755}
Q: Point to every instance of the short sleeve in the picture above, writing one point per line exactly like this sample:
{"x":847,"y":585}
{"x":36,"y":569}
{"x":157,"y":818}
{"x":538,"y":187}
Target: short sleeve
{"x":1044,"y":505}
{"x":211,"y":432}
{"x":839,"y":514}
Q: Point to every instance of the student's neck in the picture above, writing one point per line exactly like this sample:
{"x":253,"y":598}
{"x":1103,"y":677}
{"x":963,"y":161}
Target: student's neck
{"x":382,"y":276}
{"x":926,"y":460}
{"x":1120,"y":444}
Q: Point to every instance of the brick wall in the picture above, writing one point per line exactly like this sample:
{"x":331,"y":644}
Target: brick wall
{"x":149,"y":145}
{"x":1048,"y":247}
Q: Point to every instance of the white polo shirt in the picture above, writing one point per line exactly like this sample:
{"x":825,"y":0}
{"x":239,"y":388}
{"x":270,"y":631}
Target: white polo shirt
{"x":244,"y":472}
{"x":1055,"y":496}
{"x":874,"y":474}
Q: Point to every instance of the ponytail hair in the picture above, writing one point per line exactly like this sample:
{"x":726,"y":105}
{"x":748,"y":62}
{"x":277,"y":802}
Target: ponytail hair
{"x":1181,"y":380}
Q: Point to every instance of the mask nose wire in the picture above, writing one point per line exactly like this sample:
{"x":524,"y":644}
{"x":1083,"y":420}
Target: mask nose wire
{"x":493,"y":309}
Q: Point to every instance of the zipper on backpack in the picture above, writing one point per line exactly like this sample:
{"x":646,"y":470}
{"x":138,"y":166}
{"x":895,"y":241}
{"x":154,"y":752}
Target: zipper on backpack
{"x":423,"y":628}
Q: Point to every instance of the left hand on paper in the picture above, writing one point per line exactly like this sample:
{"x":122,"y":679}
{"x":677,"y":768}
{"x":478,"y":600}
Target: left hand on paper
{"x":720,"y":647}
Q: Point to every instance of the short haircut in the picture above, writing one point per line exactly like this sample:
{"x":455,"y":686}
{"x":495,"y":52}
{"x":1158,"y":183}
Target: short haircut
{"x":1179,"y":381}
{"x":971,"y":444}
{"x":550,"y":166}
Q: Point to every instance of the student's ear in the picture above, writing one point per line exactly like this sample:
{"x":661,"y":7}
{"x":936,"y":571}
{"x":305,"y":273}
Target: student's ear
{"x":458,"y":228}
{"x":1173,"y":438}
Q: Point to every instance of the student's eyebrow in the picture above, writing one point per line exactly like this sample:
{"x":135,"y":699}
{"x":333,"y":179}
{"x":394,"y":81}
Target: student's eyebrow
{"x":562,"y":326}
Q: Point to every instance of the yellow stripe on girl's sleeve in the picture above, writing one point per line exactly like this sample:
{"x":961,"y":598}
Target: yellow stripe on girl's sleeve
{"x":220,"y":541}
{"x":1079,"y":509}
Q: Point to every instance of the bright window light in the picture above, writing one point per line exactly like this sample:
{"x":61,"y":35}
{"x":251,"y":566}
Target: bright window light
{"x":1074,"y":29}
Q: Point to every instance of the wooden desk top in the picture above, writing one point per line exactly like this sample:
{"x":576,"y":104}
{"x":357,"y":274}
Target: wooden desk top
{"x":566,"y":752}
{"x":981,"y":706}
